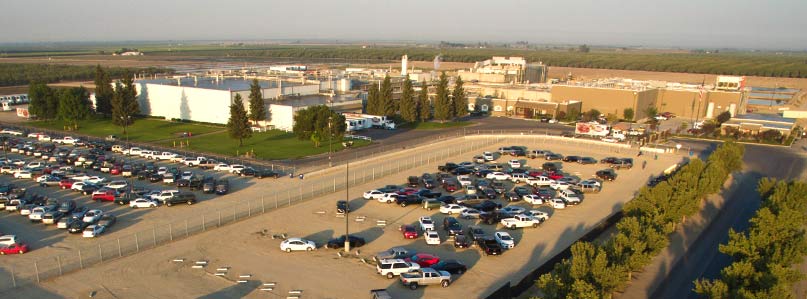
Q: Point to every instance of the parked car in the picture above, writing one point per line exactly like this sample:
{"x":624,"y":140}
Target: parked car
{"x":462,"y":241}
{"x":93,"y":231}
{"x":432,"y":238}
{"x":425,"y":276}
{"x":426,"y":223}
{"x":393,"y":267}
{"x":297,"y":244}
{"x":490,"y":246}
{"x":409,"y":231}
{"x":339,"y":242}
{"x":452,"y":226}
{"x":607,"y":174}
{"x":393,"y":253}
{"x":504,"y":239}
{"x":143,"y":203}
{"x":222,"y":186}
{"x":451,"y":266}
{"x":15,"y":248}
{"x":185,"y":197}
{"x":425,"y":260}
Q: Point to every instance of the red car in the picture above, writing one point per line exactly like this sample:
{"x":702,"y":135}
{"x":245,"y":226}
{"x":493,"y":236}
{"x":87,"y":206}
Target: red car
{"x":108,"y":195}
{"x":14,"y":248}
{"x":535,"y":174}
{"x":115,"y":170}
{"x":66,"y":184}
{"x":554,"y":176}
{"x":409,"y":232}
{"x":425,"y":260}
{"x":407,"y":191}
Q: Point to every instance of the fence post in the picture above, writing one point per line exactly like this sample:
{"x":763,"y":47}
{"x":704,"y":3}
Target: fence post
{"x":36,"y":267}
{"x":154,"y":234}
{"x":186,"y":228}
{"x":100,"y":253}
{"x":275,"y":200}
{"x":137,"y":243}
{"x":235,"y":213}
{"x":263,"y":206}
{"x":249,"y":209}
{"x":13,"y":279}
{"x":80,"y":261}
{"x":171,"y":230}
{"x":59,"y":261}
{"x":219,"y":219}
{"x":203,"y":222}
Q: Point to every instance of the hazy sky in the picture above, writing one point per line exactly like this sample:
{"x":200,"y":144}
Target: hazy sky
{"x":768,"y":24}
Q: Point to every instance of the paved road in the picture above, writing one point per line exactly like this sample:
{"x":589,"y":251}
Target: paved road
{"x":703,"y":260}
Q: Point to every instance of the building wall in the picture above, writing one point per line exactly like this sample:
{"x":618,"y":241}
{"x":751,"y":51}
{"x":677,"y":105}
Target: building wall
{"x":644,"y":100}
{"x":603,"y":99}
{"x":182,"y":102}
{"x":281,"y":116}
{"x":685,"y":103}
{"x":723,"y":101}
{"x":481,"y":77}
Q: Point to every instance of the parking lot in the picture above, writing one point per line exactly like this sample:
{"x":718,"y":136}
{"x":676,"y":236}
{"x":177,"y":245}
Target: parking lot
{"x":248,"y":247}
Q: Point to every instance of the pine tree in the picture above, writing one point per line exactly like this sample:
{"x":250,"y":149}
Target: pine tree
{"x":103,"y":91}
{"x":257,"y":107}
{"x":74,"y":105}
{"x":386,"y":104}
{"x":124,"y":103}
{"x":409,"y":106}
{"x":39,"y":94}
{"x":424,"y":105}
{"x":238,"y":124}
{"x":442,"y":104}
{"x":373,"y":100}
{"x":459,"y":99}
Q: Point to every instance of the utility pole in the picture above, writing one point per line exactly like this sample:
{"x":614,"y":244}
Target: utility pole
{"x":347,"y":212}
{"x":330,"y":142}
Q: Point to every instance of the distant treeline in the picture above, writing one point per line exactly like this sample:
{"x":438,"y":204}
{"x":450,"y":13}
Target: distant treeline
{"x":767,"y":64}
{"x":12,"y":74}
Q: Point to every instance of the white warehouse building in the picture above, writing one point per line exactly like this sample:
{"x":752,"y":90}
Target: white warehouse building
{"x":207,"y":99}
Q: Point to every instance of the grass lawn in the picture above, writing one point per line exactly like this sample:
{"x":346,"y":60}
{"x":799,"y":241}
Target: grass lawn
{"x":268,"y":145}
{"x":436,"y":125}
{"x":143,"y":130}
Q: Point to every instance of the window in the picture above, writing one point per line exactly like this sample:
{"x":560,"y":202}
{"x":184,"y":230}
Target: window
{"x":471,"y":107}
{"x":510,"y":108}
{"x":497,"y":108}
{"x":484,"y":108}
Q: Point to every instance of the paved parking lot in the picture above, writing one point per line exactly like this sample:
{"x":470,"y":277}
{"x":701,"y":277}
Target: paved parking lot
{"x":247,"y":247}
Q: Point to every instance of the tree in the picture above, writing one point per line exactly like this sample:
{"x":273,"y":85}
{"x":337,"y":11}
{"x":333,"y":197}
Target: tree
{"x":573,"y":115}
{"x":238,"y":124}
{"x":124,"y":103}
{"x":373,"y":104}
{"x":611,"y":118}
{"x":424,"y":105}
{"x":651,"y":112}
{"x":74,"y":105}
{"x":319,"y":123}
{"x":583,"y":48}
{"x":408,"y":103}
{"x":459,"y":99}
{"x":442,"y":104}
{"x":257,"y":107}
{"x":39,"y":93}
{"x":387,"y":105}
{"x":771,"y":136}
{"x":103,"y":91}
{"x":592,"y":115}
{"x":627,"y":114}
{"x":723,"y":117}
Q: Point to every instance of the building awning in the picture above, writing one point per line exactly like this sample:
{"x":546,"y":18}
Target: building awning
{"x":750,"y":127}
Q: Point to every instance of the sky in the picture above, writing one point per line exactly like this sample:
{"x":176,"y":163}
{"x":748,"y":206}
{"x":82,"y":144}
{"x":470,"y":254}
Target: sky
{"x":772,"y":24}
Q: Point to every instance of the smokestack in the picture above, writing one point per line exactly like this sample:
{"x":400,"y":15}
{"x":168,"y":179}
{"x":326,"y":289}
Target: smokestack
{"x":404,"y":62}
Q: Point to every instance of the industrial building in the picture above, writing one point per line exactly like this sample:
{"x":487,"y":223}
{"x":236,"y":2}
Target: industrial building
{"x":505,"y":70}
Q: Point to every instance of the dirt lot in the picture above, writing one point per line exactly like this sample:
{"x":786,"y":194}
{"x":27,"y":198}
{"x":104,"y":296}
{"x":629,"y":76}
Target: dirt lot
{"x":247,"y":248}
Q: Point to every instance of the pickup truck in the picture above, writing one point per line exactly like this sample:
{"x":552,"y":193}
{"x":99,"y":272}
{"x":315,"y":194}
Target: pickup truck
{"x":193,"y":161}
{"x":65,"y":140}
{"x":447,"y":167}
{"x":412,"y":199}
{"x":520,"y":221}
{"x":207,"y":164}
{"x":425,"y":276}
{"x":539,"y":181}
{"x":492,"y":218}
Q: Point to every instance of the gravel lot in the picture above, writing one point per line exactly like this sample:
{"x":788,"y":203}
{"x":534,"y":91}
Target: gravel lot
{"x":249,"y":249}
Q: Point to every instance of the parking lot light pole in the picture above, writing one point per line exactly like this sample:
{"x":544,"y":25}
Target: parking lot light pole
{"x":330,"y":143}
{"x":347,"y":211}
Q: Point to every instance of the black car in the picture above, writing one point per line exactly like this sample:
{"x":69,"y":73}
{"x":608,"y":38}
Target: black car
{"x":545,"y":193}
{"x":462,"y":241}
{"x":208,"y":185}
{"x":553,"y":156}
{"x":452,"y":226}
{"x":342,"y":207}
{"x":587,"y":160}
{"x":195,"y":183}
{"x":498,"y":186}
{"x":512,"y":196}
{"x":550,"y":166}
{"x":492,"y":218}
{"x":476,"y":233}
{"x":490,"y":193}
{"x":222,"y":186}
{"x":450,"y":266}
{"x":77,"y":227}
{"x":67,"y":206}
{"x":607,"y":174}
{"x":571,"y":159}
{"x":264,"y":173}
{"x":429,"y":183}
{"x":183,"y":183}
{"x":389,"y":189}
{"x":608,"y":160}
{"x":487,"y":206}
{"x":406,"y":200}
{"x":622,"y":163}
{"x":88,"y":189}
{"x":447,"y":167}
{"x":125,"y":198}
{"x":446,"y":199}
{"x":340,"y":242}
{"x":462,"y":171}
{"x":521,"y":191}
{"x":490,"y":246}
{"x":518,"y":153}
{"x":482,"y":173}
{"x":249,"y":171}
{"x":412,"y":181}
{"x":428,"y":193}
{"x":155,"y":178}
{"x":188,"y":198}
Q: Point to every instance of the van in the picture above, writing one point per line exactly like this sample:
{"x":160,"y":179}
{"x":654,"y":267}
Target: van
{"x":519,"y":177}
{"x":569,"y":196}
{"x":393,"y":267}
{"x":430,"y":204}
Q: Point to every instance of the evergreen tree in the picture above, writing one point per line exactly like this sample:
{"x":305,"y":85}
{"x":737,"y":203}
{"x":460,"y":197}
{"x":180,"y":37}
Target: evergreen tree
{"x":387,"y":106}
{"x":373,"y":105}
{"x":257,"y":106}
{"x":39,"y":94}
{"x":408,"y":103}
{"x":424,"y":105}
{"x":238,"y":124}
{"x":319,"y":123}
{"x":124,"y":103}
{"x":74,"y":105}
{"x":459,"y":99}
{"x":627,"y":114}
{"x":442,"y":104}
{"x":103,"y":91}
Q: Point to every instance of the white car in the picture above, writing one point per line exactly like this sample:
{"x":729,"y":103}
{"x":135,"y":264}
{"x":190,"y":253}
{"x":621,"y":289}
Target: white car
{"x":92,"y":216}
{"x":33,"y":165}
{"x":135,"y":151}
{"x":394,"y":267}
{"x":31,"y":135}
{"x":609,"y":140}
{"x":543,"y":216}
{"x":8,"y":240}
{"x":533,"y":199}
{"x":117,"y":185}
{"x":78,"y":186}
{"x":236,"y":168}
{"x":388,"y":198}
{"x":469,"y":213}
{"x":93,"y":231}
{"x":150,"y":154}
{"x":164,"y":156}
{"x":42,"y":178}
{"x":373,"y":194}
{"x":95,"y":179}
{"x":162,"y":170}
{"x":465,"y":180}
{"x":505,"y":240}
{"x":512,"y":210}
{"x":539,"y":181}
{"x":559,"y":185}
{"x":569,"y":197}
{"x":297,"y":244}
{"x":186,"y":175}
{"x":142,"y":203}
{"x":178,"y":159}
{"x":11,"y":132}
{"x":23,"y":174}
{"x":426,"y":223}
{"x":514,"y":163}
{"x":80,"y":177}
{"x":488,"y":156}
{"x":451,"y":209}
{"x":519,"y":177}
{"x":222,"y":167}
{"x":432,"y":238}
{"x":557,"y":203}
{"x":499,"y":176}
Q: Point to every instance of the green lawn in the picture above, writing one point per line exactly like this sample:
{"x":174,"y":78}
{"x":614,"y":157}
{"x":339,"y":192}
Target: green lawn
{"x":143,"y":130}
{"x":268,"y":145}
{"x":436,"y":125}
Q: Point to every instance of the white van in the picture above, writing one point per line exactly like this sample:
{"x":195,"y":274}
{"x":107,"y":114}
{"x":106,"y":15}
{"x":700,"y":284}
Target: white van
{"x":569,"y":196}
{"x":519,"y":177}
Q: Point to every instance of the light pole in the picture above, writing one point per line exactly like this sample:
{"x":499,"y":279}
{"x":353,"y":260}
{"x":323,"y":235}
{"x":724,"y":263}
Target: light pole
{"x":347,"y":211}
{"x":330,"y":142}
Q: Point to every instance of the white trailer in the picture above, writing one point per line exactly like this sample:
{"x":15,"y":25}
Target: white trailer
{"x":376,"y":121}
{"x":592,"y":129}
{"x":357,"y":123}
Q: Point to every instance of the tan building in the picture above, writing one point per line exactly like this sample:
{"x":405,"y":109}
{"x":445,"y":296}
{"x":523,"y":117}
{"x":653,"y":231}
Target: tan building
{"x":607,"y":100}
{"x":689,"y":102}
{"x":521,"y":108}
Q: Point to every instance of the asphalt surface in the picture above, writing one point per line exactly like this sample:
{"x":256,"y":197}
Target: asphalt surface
{"x":703,"y":260}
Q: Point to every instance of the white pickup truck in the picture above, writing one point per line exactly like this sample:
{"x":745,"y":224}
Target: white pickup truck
{"x":425,"y":276}
{"x":65,"y":140}
{"x":520,"y":221}
{"x":539,"y":181}
{"x":193,"y":161}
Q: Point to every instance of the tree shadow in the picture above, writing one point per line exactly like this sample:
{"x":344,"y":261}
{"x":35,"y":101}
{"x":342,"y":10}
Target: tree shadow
{"x":238,"y":290}
{"x":320,"y":238}
{"x":24,"y":289}
{"x":143,"y":99}
{"x":184,"y":108}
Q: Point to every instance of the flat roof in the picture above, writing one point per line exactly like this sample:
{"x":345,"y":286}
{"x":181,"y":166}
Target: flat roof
{"x":765,"y":118}
{"x":313,"y":100}
{"x":232,"y":84}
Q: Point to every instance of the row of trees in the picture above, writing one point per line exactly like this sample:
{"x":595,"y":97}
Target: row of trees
{"x":12,"y":74}
{"x":764,"y":254}
{"x":447,"y":104}
{"x":596,"y":271}
{"x":238,"y":125}
{"x":319,"y":123}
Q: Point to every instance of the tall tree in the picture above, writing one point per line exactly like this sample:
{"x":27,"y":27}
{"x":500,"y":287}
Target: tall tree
{"x":442,"y":104}
{"x":124,"y":103}
{"x":459,"y":99}
{"x":424,"y":105}
{"x":74,"y":105}
{"x":387,"y":105}
{"x":319,"y":123}
{"x":373,"y":105}
{"x":238,"y":124}
{"x":103,"y":91}
{"x":39,"y":94}
{"x":409,"y":105}
{"x":257,"y":107}
{"x":627,"y":114}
